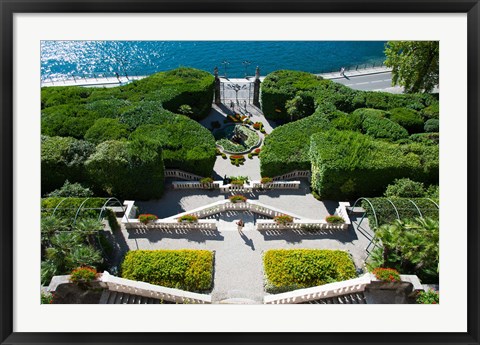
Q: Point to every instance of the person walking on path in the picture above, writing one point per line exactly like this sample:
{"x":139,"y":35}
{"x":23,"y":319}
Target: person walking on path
{"x":240,"y":225}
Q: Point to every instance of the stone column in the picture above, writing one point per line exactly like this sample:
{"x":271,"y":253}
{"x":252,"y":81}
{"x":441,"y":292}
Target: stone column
{"x":217,"y":86}
{"x":256,"y":88}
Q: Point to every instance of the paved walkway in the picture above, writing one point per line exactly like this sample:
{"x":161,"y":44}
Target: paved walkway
{"x":238,"y":256}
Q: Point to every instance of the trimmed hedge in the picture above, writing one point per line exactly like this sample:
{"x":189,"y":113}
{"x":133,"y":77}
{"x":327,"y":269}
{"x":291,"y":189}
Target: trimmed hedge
{"x":431,"y":112}
{"x":286,"y":149}
{"x":409,"y":119}
{"x":376,"y":124}
{"x":106,"y":129}
{"x":386,"y":214}
{"x":347,"y":165}
{"x":185,"y":269}
{"x":127,"y":169}
{"x":69,"y":206}
{"x":287,"y":270}
{"x":186,"y":145}
{"x":63,"y":159}
{"x":432,"y":126}
{"x":281,"y":86}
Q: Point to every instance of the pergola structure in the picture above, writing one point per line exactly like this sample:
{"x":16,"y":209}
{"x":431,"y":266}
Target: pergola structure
{"x":389,"y":209}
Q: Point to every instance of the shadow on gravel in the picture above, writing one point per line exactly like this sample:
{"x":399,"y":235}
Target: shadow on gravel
{"x":296,"y":236}
{"x":191,"y":235}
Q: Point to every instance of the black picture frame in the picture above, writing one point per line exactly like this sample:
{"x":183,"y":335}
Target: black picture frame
{"x":10,"y":7}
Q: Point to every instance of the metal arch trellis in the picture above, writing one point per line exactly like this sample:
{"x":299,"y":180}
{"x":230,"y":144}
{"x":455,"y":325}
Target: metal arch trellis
{"x":416,"y":206}
{"x":373,"y":210}
{"x":395,"y":208}
{"x":105,"y":206}
{"x":359,"y":227}
{"x":56,"y":207}
{"x":433,"y":202}
{"x":79,"y":209}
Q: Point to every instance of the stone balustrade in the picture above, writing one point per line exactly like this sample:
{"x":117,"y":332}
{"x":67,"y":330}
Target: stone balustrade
{"x":163,"y":224}
{"x":235,"y":188}
{"x":182,"y":175}
{"x":299,"y":222}
{"x":320,"y":292}
{"x":196,"y":185}
{"x":302,"y":224}
{"x":294,"y":174}
{"x":153,"y":291}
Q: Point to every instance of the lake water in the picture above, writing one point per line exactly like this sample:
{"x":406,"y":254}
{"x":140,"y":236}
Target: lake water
{"x":64,"y":58}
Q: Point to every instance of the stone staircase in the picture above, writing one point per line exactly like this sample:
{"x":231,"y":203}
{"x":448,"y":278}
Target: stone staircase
{"x":115,"y":297}
{"x":353,"y":298}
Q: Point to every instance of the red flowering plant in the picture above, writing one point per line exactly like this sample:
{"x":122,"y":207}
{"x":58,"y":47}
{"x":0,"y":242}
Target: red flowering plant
{"x":84,"y":274}
{"x":257,"y":151}
{"x":147,"y":218}
{"x":386,"y":274}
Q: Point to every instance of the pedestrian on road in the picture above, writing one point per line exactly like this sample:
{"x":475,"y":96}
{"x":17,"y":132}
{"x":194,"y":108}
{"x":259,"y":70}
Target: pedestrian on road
{"x":342,"y":71}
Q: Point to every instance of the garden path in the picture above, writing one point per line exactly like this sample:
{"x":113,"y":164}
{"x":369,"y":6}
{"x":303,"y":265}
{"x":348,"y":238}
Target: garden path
{"x":238,"y":256}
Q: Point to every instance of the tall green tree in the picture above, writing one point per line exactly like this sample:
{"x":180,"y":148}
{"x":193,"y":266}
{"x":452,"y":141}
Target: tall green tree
{"x":414,"y":63}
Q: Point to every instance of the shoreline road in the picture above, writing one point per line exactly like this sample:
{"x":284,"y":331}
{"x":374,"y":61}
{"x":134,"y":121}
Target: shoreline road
{"x":381,"y":81}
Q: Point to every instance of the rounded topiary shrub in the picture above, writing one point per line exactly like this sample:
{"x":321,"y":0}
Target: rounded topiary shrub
{"x":432,"y":126}
{"x":405,"y":188}
{"x":409,"y":119}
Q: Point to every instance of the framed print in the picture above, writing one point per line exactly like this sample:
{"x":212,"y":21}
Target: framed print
{"x":238,"y":172}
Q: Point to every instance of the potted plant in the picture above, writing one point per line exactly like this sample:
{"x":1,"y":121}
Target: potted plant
{"x":237,"y":198}
{"x":188,"y":218}
{"x":283,"y":219}
{"x":83,"y":275}
{"x":334,"y":219}
{"x":147,"y":218}
{"x":266,"y":180}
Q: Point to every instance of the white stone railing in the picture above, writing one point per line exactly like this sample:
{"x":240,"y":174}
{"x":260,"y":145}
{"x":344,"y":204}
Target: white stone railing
{"x":159,"y":224}
{"x":276,"y":185}
{"x":342,"y":212}
{"x":320,"y":292}
{"x":302,"y":224}
{"x":153,"y":291}
{"x":227,"y":205}
{"x":294,"y":174}
{"x":182,"y":174}
{"x":129,"y":211}
{"x":196,"y":185}
{"x":299,"y":222}
{"x":236,"y":188}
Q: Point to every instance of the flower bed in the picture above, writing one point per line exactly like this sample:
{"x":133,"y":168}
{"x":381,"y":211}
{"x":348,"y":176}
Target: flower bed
{"x":287,"y":270}
{"x":188,"y":218}
{"x":237,"y":160}
{"x":185,"y":269}
{"x":224,"y":135}
{"x":386,"y":274}
{"x":237,"y":198}
{"x":147,"y":218}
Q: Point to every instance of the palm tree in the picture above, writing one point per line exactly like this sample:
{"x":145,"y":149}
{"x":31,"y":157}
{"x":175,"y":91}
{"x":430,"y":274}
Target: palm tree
{"x":50,"y":225}
{"x":83,"y":256}
{"x":88,"y":227}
